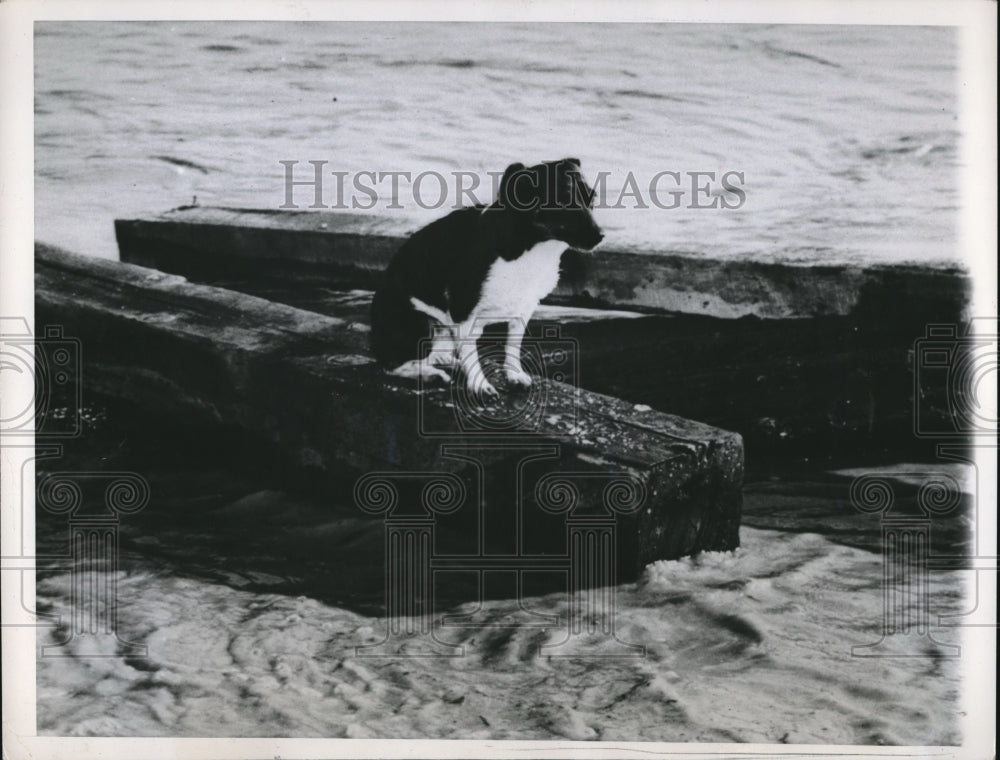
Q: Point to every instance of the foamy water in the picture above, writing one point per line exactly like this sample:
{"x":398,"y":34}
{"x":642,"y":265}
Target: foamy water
{"x":251,"y":610}
{"x":748,"y":646}
{"x":846,"y":137}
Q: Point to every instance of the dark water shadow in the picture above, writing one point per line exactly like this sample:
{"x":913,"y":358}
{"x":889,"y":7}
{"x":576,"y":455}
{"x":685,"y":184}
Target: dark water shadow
{"x":225,"y":508}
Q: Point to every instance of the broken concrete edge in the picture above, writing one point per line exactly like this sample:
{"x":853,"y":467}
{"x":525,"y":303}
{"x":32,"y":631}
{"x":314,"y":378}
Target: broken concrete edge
{"x":301,"y":381}
{"x":352,"y":249}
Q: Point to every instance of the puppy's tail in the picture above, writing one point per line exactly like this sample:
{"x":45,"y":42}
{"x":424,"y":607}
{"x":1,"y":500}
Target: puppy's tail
{"x":431,"y":311}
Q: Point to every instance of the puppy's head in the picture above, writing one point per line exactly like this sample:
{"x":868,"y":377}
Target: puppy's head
{"x":555,"y":198}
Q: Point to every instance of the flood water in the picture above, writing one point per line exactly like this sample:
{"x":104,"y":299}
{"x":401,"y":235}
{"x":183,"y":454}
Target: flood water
{"x":251,"y":602}
{"x":846,"y":137}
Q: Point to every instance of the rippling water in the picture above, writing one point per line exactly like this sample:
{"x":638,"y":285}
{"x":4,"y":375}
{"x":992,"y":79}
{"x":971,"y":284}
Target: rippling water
{"x":251,"y":603}
{"x":847,"y":136}
{"x":751,"y":646}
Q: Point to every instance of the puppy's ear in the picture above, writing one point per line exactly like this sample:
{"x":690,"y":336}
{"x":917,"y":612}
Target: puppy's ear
{"x":509,"y":172}
{"x":518,"y":188}
{"x":571,"y":162}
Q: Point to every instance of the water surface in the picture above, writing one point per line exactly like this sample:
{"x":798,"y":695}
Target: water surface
{"x":847,"y":136}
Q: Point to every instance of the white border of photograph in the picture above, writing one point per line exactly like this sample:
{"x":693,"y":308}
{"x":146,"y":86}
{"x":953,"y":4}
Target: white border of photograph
{"x":976,"y":20}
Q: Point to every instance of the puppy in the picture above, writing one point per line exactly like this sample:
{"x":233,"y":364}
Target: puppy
{"x":477,"y":266}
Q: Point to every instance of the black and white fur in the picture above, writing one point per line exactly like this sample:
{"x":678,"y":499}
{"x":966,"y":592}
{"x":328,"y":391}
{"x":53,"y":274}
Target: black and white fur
{"x":477,"y":266}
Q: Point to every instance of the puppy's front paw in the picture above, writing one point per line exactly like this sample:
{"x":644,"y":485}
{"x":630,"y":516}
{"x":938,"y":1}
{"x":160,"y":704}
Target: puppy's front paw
{"x":517,"y":376}
{"x":482,"y":388}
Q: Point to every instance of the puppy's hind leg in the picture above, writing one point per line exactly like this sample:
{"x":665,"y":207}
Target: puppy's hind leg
{"x":444,"y":347}
{"x":431,"y":311}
